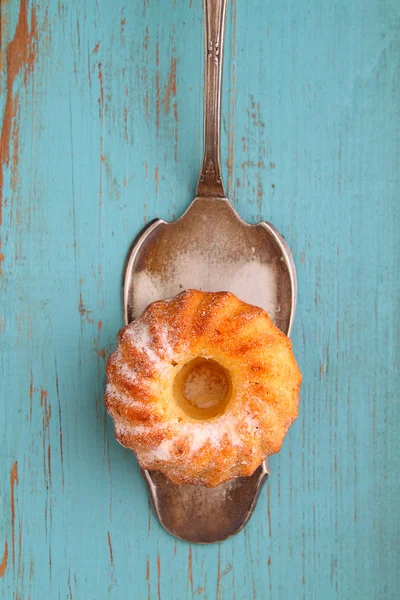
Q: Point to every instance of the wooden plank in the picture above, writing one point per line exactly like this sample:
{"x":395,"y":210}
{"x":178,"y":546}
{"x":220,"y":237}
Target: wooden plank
{"x":101,"y":132}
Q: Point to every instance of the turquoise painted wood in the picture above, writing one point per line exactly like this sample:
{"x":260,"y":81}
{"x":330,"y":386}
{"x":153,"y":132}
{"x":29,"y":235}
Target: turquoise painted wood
{"x":101,"y":132}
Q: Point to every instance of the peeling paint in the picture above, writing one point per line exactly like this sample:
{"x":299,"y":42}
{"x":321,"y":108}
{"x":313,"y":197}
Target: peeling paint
{"x":60,"y":427}
{"x":190,"y":568}
{"x":148,"y":579}
{"x":13,"y":482}
{"x":47,"y":412}
{"x":83,"y":311}
{"x":170,"y":88}
{"x":158,"y":90}
{"x":110,"y":549}
{"x":20,"y":56}
{"x":232,"y":105}
{"x":1,"y":258}
{"x":158,"y":577}
{"x":3,"y":564}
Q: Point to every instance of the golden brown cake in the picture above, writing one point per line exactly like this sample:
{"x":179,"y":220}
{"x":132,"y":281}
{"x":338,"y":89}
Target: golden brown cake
{"x":202,"y":387}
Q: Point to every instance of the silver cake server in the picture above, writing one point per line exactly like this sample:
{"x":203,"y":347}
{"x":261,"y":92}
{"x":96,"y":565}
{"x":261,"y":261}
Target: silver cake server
{"x":210,"y":248}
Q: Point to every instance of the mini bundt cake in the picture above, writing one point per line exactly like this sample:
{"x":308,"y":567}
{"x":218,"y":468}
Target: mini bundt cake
{"x":202,"y":387}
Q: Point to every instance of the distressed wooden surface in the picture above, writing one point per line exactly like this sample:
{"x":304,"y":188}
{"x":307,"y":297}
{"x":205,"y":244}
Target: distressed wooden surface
{"x":102,"y":131}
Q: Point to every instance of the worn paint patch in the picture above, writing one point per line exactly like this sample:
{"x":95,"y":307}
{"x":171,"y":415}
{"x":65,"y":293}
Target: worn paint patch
{"x":20,"y":55}
{"x":83,"y":311}
{"x":46,"y":417}
{"x":158,"y":92}
{"x":158,"y":577}
{"x":1,"y":259}
{"x":170,"y":88}
{"x":156,"y":177}
{"x":123,"y":23}
{"x":232,"y":106}
{"x":3,"y":564}
{"x":218,"y":593}
{"x":60,"y":426}
{"x":148,"y":579}
{"x":145,"y":76}
{"x":101,"y":97}
{"x":190,"y":568}
{"x":110,"y":549}
{"x":13,"y":482}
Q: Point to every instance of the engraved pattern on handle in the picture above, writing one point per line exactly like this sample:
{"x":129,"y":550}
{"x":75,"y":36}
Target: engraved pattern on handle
{"x":210,"y":182}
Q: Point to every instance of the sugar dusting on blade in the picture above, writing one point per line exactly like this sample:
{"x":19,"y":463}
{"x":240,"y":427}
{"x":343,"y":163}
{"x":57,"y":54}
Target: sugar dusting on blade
{"x":249,"y":281}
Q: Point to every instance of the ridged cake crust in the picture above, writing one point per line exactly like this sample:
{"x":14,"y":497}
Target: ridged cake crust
{"x":265,"y":382}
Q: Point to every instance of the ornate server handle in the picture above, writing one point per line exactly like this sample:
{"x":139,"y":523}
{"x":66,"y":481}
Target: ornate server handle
{"x":210,"y":182}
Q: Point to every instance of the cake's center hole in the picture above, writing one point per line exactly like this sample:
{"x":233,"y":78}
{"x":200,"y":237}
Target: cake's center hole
{"x":205,"y":384}
{"x":203,"y":388}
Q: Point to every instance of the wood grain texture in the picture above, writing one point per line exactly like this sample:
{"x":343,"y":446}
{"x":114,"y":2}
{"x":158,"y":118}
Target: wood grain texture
{"x":101,"y":132}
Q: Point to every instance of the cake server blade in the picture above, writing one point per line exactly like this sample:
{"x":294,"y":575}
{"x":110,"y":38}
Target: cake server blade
{"x":210,"y":248}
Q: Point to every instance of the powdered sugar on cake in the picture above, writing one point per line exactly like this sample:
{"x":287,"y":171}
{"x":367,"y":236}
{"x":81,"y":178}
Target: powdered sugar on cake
{"x":112,"y":390}
{"x":143,"y":340}
{"x":198,"y":434}
{"x":127,"y":373}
